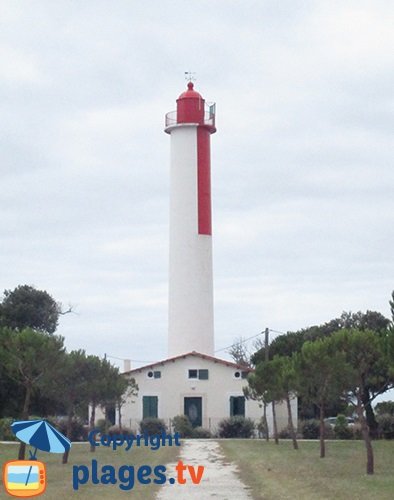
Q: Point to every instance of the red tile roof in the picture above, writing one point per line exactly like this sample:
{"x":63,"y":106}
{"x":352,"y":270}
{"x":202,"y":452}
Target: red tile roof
{"x":196,"y":355}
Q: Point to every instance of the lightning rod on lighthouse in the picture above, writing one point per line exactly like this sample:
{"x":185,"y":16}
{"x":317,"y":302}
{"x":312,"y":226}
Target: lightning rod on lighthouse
{"x":190,"y":321}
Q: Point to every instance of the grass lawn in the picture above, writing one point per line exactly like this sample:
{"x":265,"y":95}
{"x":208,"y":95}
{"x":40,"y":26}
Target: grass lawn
{"x":60,"y":476}
{"x":277,"y":472}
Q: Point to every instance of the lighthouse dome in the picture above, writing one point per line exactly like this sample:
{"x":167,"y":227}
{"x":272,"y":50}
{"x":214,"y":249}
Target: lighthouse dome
{"x":190,"y":106}
{"x":190,"y":93}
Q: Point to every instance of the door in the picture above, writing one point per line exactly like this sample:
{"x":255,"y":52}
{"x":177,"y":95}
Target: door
{"x":193,"y":410}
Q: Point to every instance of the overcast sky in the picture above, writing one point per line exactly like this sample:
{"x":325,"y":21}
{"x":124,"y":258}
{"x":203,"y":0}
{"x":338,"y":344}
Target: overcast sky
{"x":302,"y":161}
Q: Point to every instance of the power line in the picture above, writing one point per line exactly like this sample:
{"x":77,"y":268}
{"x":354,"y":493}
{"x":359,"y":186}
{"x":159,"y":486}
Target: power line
{"x":277,"y":331}
{"x":249,"y":338}
{"x":128,"y":359}
{"x":241,"y":342}
{"x":217,"y":350}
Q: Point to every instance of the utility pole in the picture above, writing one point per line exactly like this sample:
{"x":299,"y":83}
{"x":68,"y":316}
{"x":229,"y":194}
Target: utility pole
{"x":266,"y":342}
{"x":266,"y":357}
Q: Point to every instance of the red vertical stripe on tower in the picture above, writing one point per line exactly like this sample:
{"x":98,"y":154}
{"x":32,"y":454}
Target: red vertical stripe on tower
{"x":204,"y":181}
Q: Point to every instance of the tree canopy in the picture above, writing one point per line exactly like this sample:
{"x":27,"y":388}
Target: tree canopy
{"x":27,"y":307}
{"x":31,"y":359}
{"x":287,"y":344}
{"x":351,"y":363}
{"x":36,"y":369}
{"x":321,"y":377}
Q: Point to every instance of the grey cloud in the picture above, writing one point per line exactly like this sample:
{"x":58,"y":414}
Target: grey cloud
{"x":301,"y":163}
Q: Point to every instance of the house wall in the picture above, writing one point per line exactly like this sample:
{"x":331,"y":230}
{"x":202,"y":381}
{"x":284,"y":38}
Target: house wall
{"x":174,"y":385}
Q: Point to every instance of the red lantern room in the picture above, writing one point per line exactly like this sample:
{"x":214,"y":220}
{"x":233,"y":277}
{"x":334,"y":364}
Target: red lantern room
{"x":192,"y":108}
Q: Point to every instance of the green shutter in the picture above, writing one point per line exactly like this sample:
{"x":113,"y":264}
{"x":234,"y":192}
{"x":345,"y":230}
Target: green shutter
{"x":237,"y":406}
{"x":241,"y":406}
{"x":203,"y":374}
{"x":149,"y":406}
{"x":145,"y":406}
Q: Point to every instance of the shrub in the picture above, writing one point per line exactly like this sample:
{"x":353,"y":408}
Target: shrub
{"x":201,"y":433}
{"x":329,"y":432}
{"x":284,"y":433}
{"x":310,"y":429}
{"x":182,"y":425}
{"x":53,"y":421}
{"x":101,"y":425}
{"x":152,"y":426}
{"x":236,"y":427}
{"x":78,"y":430}
{"x":386,"y":426}
{"x":341,"y":428}
{"x":385,"y":407}
{"x":6,"y":433}
{"x":116,"y":430}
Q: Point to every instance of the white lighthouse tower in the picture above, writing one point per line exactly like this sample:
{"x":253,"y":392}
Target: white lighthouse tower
{"x":191,"y":381}
{"x":190,"y":277}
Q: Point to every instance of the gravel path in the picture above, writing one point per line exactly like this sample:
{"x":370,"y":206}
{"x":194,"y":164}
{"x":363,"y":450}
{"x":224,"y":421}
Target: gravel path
{"x":219,"y":480}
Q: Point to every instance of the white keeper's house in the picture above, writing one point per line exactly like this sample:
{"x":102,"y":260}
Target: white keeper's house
{"x":191,"y":380}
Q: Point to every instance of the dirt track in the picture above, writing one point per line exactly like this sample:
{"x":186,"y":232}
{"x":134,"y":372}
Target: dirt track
{"x":219,"y":480}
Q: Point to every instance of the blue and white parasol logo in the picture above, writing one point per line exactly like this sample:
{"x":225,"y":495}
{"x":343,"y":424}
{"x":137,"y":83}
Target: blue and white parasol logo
{"x":41,"y":435}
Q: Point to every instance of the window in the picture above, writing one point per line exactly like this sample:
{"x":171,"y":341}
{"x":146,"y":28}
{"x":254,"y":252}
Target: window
{"x":237,"y":406}
{"x":200,"y":374}
{"x":154,"y":374}
{"x":149,"y":406}
{"x":193,"y":373}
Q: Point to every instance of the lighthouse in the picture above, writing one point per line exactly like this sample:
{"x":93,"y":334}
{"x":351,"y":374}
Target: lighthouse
{"x":190,"y":309}
{"x":191,"y":381}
